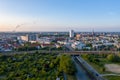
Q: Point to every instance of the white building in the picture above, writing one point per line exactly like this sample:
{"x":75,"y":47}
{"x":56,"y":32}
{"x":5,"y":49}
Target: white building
{"x":30,"y":38}
{"x":71,"y":34}
{"x":78,"y":45}
{"x":44,"y":40}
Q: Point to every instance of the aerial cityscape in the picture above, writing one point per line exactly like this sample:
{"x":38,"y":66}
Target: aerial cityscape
{"x":59,"y":40}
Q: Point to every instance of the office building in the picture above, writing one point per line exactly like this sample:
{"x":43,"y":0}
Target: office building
{"x":71,"y":34}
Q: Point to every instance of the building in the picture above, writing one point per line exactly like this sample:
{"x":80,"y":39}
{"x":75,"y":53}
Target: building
{"x":44,"y":40}
{"x":32,"y":37}
{"x":71,"y":34}
{"x":78,"y":45}
{"x":78,"y":36}
{"x":24,"y":38}
{"x":47,"y":45}
{"x":29,"y":37}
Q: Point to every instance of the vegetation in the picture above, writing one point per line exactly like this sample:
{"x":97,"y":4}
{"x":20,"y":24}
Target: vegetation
{"x":65,"y":65}
{"x":99,"y":60}
{"x":113,"y":58}
{"x":95,"y":60}
{"x":37,"y":66}
{"x":113,"y":77}
{"x":71,"y":77}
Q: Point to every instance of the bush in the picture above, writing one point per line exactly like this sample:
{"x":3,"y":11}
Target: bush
{"x":103,"y":69}
{"x":67,"y":65}
{"x":113,"y":58}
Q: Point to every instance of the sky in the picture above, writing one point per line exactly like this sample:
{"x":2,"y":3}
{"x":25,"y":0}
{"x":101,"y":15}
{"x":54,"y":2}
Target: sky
{"x":60,"y":15}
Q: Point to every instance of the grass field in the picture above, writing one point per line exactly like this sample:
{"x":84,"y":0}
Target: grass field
{"x":113,"y":77}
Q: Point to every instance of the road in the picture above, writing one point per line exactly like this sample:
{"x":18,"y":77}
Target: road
{"x":65,"y":76}
{"x":81,"y":73}
{"x":90,"y":68}
{"x":110,"y":74}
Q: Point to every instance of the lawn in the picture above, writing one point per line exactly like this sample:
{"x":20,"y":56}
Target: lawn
{"x":113,"y":77}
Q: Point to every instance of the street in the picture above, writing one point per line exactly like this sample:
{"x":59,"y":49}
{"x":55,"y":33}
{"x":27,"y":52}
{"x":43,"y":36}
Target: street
{"x":80,"y":74}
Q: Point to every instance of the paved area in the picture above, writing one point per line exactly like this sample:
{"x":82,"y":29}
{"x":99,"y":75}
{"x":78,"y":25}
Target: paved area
{"x":81,"y":74}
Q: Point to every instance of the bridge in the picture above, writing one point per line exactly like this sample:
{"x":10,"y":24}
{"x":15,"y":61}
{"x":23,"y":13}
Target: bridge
{"x":61,"y":52}
{"x":92,"y":52}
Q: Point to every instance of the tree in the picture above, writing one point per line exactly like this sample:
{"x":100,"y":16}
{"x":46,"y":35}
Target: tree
{"x":67,"y":65}
{"x":103,"y":69}
{"x":110,"y":57}
{"x":51,"y":65}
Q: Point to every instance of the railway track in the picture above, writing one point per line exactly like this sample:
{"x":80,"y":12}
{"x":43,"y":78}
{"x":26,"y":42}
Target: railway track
{"x":92,"y":73}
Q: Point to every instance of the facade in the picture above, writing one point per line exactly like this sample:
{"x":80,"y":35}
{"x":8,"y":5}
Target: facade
{"x":78,"y":45}
{"x":24,"y":38}
{"x":32,"y":37}
{"x":71,"y":34}
{"x":78,"y":36}
{"x":44,"y":40}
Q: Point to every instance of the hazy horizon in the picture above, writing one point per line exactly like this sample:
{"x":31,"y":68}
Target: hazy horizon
{"x":59,"y":15}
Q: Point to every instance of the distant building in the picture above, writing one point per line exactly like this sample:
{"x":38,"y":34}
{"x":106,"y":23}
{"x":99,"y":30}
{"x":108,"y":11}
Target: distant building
{"x":47,"y":45}
{"x":44,"y":40}
{"x":30,"y":38}
{"x":78,"y":36}
{"x":24,"y":38}
{"x":71,"y":34}
{"x":78,"y":45}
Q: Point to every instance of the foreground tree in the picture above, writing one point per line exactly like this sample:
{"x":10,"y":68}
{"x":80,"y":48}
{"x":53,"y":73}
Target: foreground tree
{"x":67,"y":65}
{"x":113,"y":58}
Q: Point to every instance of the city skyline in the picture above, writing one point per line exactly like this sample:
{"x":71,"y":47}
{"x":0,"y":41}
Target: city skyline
{"x":60,"y":15}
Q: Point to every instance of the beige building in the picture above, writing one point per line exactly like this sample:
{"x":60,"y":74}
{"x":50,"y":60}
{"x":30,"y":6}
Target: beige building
{"x":24,"y":38}
{"x":78,"y":36}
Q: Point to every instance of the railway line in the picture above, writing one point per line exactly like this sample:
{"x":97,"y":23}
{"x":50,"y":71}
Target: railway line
{"x":62,"y":52}
{"x":92,"y":73}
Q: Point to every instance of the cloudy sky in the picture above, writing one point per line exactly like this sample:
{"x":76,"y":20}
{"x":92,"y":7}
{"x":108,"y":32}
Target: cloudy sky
{"x":60,"y":15}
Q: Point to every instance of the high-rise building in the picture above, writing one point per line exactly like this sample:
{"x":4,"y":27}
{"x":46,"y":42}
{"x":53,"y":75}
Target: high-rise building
{"x":71,"y":34}
{"x":32,"y":37}
{"x":93,"y":33}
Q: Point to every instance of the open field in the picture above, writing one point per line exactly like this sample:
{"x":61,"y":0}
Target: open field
{"x":115,"y":68}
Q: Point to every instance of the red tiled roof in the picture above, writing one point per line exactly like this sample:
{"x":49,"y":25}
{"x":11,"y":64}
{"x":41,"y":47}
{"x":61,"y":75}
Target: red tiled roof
{"x":47,"y":44}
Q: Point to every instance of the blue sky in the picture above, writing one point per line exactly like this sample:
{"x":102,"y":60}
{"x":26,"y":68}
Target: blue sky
{"x":60,"y":15}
